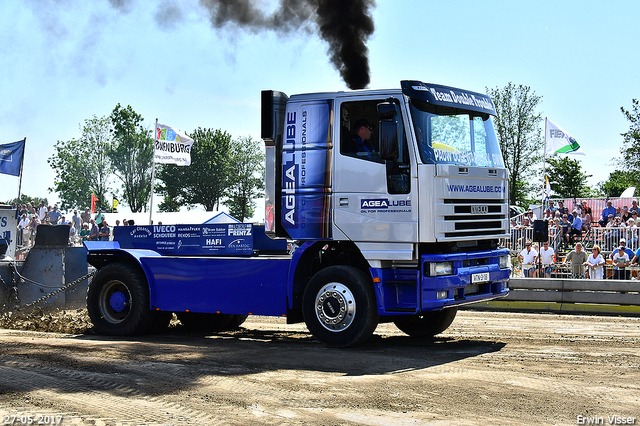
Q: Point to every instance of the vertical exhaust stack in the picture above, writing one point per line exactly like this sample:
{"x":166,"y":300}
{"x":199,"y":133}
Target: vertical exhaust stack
{"x":273,"y":110}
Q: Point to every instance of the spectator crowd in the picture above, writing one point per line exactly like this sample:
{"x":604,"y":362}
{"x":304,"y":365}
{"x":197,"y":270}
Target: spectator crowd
{"x":84,"y":226}
{"x":614,"y":229}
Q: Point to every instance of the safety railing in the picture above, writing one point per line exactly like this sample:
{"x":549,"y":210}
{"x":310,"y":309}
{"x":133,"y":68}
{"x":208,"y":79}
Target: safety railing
{"x":608,"y":239}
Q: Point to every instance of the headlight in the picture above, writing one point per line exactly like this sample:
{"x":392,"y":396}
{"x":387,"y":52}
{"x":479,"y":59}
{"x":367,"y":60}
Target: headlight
{"x":440,"y":268}
{"x":505,"y":262}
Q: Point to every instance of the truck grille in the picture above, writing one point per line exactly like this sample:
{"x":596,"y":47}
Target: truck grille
{"x":474,"y":218}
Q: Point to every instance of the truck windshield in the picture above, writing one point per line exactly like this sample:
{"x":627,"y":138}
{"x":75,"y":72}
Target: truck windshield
{"x":454,"y":136}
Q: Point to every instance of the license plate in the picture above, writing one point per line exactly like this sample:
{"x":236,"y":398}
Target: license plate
{"x":482,"y":277}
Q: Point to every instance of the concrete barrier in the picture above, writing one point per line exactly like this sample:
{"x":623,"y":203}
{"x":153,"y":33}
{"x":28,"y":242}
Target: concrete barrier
{"x":611,"y":297}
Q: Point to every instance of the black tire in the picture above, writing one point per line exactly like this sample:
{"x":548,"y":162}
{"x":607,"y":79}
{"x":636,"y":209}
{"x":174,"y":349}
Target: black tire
{"x":339,"y":306}
{"x":427,"y":324}
{"x":205,"y":322}
{"x":118,"y":301}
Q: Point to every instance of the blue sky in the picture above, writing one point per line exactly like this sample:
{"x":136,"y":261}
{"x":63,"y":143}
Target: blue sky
{"x":64,"y":61}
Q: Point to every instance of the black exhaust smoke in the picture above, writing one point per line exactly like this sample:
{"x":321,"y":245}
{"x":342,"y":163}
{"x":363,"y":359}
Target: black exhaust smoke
{"x":345,"y":25}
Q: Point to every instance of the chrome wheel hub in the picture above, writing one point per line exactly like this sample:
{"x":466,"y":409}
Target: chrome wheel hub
{"x":335,"y":307}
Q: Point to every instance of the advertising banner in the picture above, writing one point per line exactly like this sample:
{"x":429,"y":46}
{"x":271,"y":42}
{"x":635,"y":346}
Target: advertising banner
{"x":9,"y":229}
{"x":306,"y":170}
{"x":224,"y":239}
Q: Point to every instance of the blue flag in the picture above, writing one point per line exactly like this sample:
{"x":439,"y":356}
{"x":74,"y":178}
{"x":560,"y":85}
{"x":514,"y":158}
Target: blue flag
{"x":11,"y":157}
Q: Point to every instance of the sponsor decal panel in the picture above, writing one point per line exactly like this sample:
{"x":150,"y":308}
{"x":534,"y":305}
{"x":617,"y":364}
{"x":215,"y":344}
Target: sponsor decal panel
{"x":384,"y":205}
{"x":305,"y":170}
{"x":216,"y":239}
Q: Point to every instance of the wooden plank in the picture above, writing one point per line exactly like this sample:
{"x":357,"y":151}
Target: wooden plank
{"x":536,"y":283}
{"x":602,"y":285}
{"x":596,"y":297}
{"x":568,"y":284}
{"x":601,"y":298}
{"x":535,"y":296}
{"x":500,"y":305}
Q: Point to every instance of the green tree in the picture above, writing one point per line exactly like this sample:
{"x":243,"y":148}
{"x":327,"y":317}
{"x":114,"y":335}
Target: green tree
{"x":619,"y":181}
{"x":131,"y":155}
{"x":81,"y":165}
{"x":567,"y":179}
{"x":24,"y":199}
{"x":205,"y":181}
{"x":518,"y":130}
{"x":627,"y":171}
{"x":246,"y":177}
{"x":171,"y":184}
{"x":630,"y":160}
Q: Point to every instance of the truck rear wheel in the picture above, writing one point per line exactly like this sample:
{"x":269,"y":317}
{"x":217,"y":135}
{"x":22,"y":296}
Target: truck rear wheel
{"x":118,"y":301}
{"x":237,"y":321}
{"x":427,"y":324}
{"x":339,"y":306}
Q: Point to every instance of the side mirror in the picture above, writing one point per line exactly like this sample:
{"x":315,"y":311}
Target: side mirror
{"x":388,"y":130}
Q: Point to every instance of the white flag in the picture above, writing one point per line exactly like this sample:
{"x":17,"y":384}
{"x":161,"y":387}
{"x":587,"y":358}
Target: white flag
{"x":547,"y":190}
{"x":560,"y":141}
{"x":172,"y":146}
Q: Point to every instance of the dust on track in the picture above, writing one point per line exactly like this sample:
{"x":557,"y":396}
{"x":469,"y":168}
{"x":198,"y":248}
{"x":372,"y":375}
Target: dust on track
{"x":487,"y":368}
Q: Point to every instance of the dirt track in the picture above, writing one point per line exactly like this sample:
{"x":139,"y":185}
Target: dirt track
{"x":488,"y":368}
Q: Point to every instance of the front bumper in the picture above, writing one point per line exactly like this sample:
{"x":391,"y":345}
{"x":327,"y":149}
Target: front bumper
{"x":474,"y":277}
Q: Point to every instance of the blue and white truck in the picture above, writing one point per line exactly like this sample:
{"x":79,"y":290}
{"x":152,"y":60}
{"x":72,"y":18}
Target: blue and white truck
{"x":404,"y":233}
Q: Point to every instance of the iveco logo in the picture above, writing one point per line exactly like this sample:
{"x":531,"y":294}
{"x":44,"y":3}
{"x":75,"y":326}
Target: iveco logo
{"x":479,"y":209}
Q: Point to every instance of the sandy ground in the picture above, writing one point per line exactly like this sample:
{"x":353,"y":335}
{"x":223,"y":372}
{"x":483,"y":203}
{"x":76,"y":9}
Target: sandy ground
{"x":487,"y":369}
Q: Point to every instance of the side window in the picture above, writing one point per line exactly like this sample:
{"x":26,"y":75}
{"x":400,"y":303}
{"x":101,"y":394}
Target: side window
{"x":363,"y":129}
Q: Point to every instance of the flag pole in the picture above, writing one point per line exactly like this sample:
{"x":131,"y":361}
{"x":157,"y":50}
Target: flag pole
{"x":21,"y":165}
{"x":544,"y":165}
{"x":153,"y":170}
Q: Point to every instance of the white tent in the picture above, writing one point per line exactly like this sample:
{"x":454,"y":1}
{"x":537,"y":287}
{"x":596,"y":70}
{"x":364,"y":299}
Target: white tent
{"x":173,"y":218}
{"x":222,"y":217}
{"x":628,"y":193}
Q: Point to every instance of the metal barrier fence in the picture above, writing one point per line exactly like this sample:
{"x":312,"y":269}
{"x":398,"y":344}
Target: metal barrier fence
{"x":607,"y":238}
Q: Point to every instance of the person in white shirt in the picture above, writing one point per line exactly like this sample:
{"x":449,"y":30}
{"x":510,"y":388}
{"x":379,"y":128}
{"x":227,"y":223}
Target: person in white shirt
{"x":621,"y":260}
{"x":528,"y":258}
{"x":547,"y":257}
{"x":595,"y":262}
{"x":42,"y":211}
{"x":23,"y":225}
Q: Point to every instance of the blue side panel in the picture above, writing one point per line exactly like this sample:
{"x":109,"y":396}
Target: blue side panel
{"x":227,"y":285}
{"x":306,"y":170}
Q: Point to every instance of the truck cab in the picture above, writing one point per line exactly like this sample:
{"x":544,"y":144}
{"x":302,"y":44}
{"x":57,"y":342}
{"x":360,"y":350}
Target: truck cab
{"x":423,"y":212}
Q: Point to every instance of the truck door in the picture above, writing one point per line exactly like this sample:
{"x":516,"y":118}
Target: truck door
{"x":375,"y":182}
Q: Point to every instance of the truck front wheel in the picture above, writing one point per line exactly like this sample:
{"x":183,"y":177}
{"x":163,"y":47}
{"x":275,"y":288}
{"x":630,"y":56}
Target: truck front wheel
{"x":118,"y":301}
{"x":339,"y":306}
{"x":427,"y":324}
